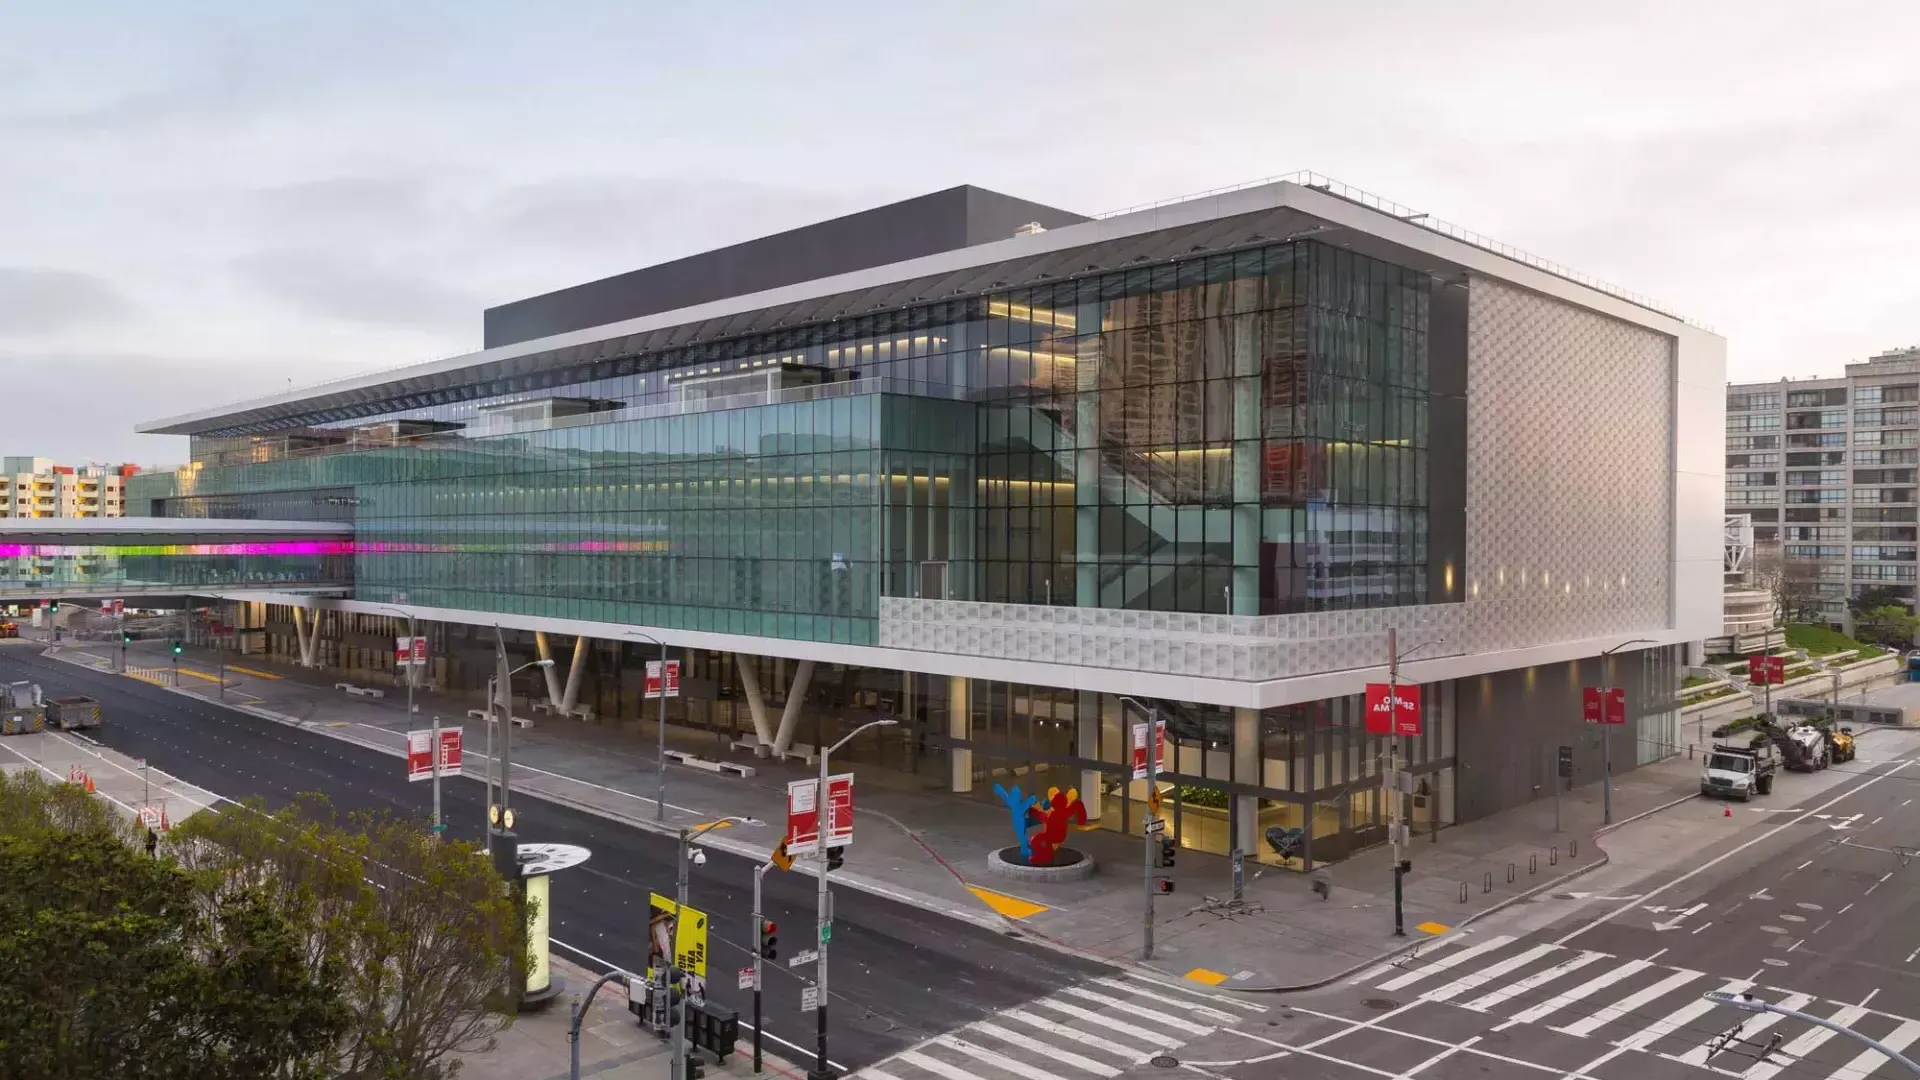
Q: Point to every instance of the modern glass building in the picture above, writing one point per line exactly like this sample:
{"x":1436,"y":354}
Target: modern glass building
{"x":992,"y":468}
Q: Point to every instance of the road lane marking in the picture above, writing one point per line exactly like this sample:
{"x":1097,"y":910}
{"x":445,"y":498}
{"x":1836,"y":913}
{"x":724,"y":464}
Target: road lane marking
{"x":1132,"y":1054}
{"x":1487,"y":974}
{"x":1679,"y":1018}
{"x":1808,"y":1041}
{"x":1201,"y":994}
{"x":1578,"y":993}
{"x":1011,"y":906}
{"x":1035,"y":1046}
{"x":949,"y":1072}
{"x":1210,"y":1013}
{"x":1466,"y":1044}
{"x":1532,"y":982}
{"x":254,"y":673}
{"x":1871,"y":994}
{"x":1658,"y":955}
{"x":1702,"y":926}
{"x":1804,"y":865}
{"x":1627,"y":1006}
{"x":1146,"y":1035}
{"x":1158,"y":1017}
{"x":1458,"y":956}
{"x":1725,"y":855}
{"x":1869,"y":1060}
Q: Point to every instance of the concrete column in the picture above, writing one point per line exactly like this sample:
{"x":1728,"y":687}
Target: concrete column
{"x":571,"y":696}
{"x":545,"y":651}
{"x":1246,"y":770}
{"x":959,"y":726}
{"x":756,"y":703}
{"x":1086,"y":475}
{"x":790,"y":716}
{"x":1086,"y":711}
{"x":1246,"y":467}
{"x":307,"y":633}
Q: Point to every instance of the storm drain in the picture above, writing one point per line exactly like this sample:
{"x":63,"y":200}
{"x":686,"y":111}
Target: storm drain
{"x":1382,"y":1004}
{"x":1164,"y":1061}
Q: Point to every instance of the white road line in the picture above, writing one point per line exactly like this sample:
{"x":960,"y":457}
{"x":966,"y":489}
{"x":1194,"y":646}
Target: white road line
{"x":1584,"y":990}
{"x":1035,"y":1046}
{"x":1725,"y":855}
{"x":1630,"y":1004}
{"x":874,"y":1073}
{"x":1804,"y":865}
{"x":1532,"y":982}
{"x":1875,"y":821}
{"x":1202,"y":994}
{"x":1869,"y":1060}
{"x":1451,"y":959}
{"x":1158,"y":1017}
{"x":1679,"y":1018}
{"x":1156,"y":1039}
{"x":1487,"y":974}
{"x":945,"y":1071}
{"x":1843,"y":910}
{"x":1126,"y":1053}
{"x":1703,"y":926}
{"x":1202,"y":1010}
{"x":1466,"y":1044}
{"x":1808,"y":1041}
{"x":1317,"y":1055}
{"x":1871,"y":994}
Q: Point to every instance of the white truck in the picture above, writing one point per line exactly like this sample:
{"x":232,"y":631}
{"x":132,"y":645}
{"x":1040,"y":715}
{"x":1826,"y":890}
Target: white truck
{"x":1739,"y":772}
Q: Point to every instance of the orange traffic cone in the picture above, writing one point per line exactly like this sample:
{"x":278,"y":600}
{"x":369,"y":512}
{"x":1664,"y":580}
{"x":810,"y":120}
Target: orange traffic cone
{"x":165,"y":825}
{"x":1726,"y":811}
{"x":89,"y":781}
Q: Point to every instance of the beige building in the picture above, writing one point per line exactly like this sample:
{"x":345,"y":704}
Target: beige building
{"x":38,"y":488}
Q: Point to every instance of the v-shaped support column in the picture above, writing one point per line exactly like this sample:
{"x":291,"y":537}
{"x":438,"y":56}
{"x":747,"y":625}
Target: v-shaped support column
{"x":306,"y":636}
{"x":756,"y":703}
{"x":790,"y":716}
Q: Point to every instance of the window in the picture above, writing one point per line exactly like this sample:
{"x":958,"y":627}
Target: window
{"x":1883,"y":552}
{"x":1806,"y":534}
{"x":1752,"y":402}
{"x":1754,"y":422}
{"x":1883,"y":476}
{"x":1880,"y":495}
{"x":1817,"y":457}
{"x":1757,"y":479}
{"x":1753,"y":442}
{"x":1756,"y":497}
{"x":1813,"y":399}
{"x":1825,"y":418}
{"x":1886,"y":457}
{"x":1836,"y":438}
{"x":1885,"y":513}
{"x":1822,"y":478}
{"x":1896,"y":533}
{"x":1884,"y":572}
{"x":1815,"y":551}
{"x":1816,"y":495}
{"x":1752,"y":461}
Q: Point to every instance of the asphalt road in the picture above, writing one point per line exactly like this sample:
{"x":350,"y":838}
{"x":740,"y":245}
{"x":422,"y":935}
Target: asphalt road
{"x":899,"y":974}
{"x":1805,"y":903}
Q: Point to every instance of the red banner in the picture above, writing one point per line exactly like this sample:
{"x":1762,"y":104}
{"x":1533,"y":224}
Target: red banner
{"x":1603,"y":706}
{"x":1767,"y":670}
{"x":1393,"y":708}
{"x":653,"y":679}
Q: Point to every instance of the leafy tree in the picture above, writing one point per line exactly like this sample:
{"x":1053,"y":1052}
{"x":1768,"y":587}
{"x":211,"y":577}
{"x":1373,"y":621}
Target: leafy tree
{"x":112,"y":965}
{"x":1889,"y":624}
{"x":1877,"y":597}
{"x":423,"y":931}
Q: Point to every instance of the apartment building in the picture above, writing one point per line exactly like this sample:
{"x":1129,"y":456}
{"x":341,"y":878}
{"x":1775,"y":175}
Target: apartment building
{"x":38,"y":488}
{"x":1826,"y":468}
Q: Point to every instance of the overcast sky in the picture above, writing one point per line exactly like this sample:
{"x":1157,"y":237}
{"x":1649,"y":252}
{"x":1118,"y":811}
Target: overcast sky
{"x":202,"y":201}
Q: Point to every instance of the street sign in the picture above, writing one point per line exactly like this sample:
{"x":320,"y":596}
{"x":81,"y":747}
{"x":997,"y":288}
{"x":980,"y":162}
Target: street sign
{"x":800,"y":959}
{"x":689,"y":933}
{"x":653,"y":679}
{"x":410,"y":651}
{"x":1393,"y":709}
{"x":1156,"y":825}
{"x":1140,"y":749}
{"x":746,"y":978}
{"x":1604,"y":705}
{"x":809,"y":998}
{"x":420,"y":753}
{"x":1566,"y":763}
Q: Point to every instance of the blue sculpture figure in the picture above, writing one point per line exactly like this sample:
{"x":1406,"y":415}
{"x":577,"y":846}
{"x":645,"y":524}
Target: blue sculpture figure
{"x":1021,"y":805}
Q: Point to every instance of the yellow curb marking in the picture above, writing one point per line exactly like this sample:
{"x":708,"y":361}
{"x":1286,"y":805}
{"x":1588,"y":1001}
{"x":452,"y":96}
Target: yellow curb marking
{"x":712,"y":825}
{"x":1432,"y":928}
{"x":199,"y":674}
{"x":1202,"y":975}
{"x":250,"y":671}
{"x":1011,"y":906}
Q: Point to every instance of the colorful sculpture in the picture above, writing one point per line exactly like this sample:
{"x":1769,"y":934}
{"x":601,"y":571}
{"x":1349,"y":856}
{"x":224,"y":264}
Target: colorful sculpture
{"x":1052,"y":817}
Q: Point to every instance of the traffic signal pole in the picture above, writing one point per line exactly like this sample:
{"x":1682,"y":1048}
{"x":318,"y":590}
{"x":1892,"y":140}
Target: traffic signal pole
{"x":1146,"y":834}
{"x":762,"y":942}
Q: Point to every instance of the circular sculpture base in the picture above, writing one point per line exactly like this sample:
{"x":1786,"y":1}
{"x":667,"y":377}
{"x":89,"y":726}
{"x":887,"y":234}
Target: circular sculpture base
{"x":1069,"y":865}
{"x":536,"y":1000}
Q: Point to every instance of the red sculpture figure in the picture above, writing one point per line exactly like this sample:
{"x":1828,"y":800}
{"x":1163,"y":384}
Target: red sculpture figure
{"x":1059,"y":811}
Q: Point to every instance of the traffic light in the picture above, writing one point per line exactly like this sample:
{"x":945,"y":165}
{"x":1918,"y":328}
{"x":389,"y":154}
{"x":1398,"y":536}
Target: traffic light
{"x":1163,"y":885}
{"x":835,"y":858}
{"x":1168,"y":849}
{"x":177,"y":647}
{"x":54,"y":606}
{"x":676,"y":1001}
{"x":768,"y":942}
{"x":126,"y":637}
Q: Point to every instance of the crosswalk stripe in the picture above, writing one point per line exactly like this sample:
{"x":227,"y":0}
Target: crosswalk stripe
{"x":1862,"y":1066}
{"x":1449,"y":960}
{"x":997,"y":1060}
{"x":1487,"y":974}
{"x":1125,"y":1053}
{"x":1035,"y":1046}
{"x":1246,"y":1006}
{"x":874,"y":1073}
{"x":937,"y":1067}
{"x":1698,"y":1055}
{"x":1155,"y":1015}
{"x":1584,"y":990}
{"x":1806,"y":1043}
{"x":1151,"y":1038}
{"x":1608,"y":1014}
{"x":1766,"y":1020}
{"x":1679,"y":1018}
{"x":1533,"y":982}
{"x":1204,"y":1010}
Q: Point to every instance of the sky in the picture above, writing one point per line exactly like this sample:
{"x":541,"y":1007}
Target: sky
{"x":202,"y":202}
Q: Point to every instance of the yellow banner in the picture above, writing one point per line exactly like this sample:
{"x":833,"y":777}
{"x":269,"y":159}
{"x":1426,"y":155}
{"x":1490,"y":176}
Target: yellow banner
{"x":689,"y":933}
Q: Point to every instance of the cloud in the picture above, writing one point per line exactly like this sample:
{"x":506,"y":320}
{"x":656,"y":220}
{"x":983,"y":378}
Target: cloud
{"x":43,"y":301}
{"x":331,"y":285}
{"x":86,"y":404}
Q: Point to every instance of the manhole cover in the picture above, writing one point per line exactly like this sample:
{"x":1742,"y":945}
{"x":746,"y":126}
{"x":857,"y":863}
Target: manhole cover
{"x":1164,"y":1061}
{"x":1288,"y":1015}
{"x":1382,"y":1004}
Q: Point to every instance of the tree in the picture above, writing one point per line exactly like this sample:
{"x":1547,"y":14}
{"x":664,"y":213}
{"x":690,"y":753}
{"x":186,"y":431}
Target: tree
{"x":1890,"y":624}
{"x":424,"y":931}
{"x":1878,"y":596}
{"x":112,"y":966}
{"x":1795,"y":583}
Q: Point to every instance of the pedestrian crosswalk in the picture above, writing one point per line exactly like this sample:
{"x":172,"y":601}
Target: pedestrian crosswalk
{"x":1100,"y":1028}
{"x":1641,"y":1005}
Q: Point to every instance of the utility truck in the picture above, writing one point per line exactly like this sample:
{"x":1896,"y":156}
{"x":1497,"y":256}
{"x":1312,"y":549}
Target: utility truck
{"x":1733,"y":771}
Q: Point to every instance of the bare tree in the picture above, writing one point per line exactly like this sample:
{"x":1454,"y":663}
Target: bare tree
{"x":1795,"y":583}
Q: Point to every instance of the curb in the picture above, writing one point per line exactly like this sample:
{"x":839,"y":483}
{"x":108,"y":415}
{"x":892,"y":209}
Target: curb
{"x":1414,"y":946}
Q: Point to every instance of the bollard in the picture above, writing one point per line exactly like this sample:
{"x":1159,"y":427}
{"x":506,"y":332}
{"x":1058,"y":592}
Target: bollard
{"x":1463,"y":892}
{"x":1487,"y":885}
{"x":1533,"y":862}
{"x":1573,"y":848}
{"x":1509,"y":873}
{"x":1553,"y":855}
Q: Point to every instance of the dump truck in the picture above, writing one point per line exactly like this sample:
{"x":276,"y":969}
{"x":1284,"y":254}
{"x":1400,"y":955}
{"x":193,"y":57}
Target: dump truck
{"x":71,"y":713}
{"x":21,"y":712}
{"x":1733,"y":771}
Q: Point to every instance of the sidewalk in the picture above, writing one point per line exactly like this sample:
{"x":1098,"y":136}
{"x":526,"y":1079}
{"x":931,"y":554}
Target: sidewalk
{"x":931,"y":852}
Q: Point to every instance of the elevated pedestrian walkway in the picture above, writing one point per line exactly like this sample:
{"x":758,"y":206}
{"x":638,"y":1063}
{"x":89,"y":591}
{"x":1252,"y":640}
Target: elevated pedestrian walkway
{"x":133,"y":558}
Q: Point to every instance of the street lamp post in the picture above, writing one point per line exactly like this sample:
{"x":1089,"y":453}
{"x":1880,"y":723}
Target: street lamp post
{"x":821,"y":1070}
{"x":687,"y":837}
{"x":1396,"y":805}
{"x":505,"y":741}
{"x":660,"y":787}
{"x":1606,"y":732}
{"x":1146,"y":833}
{"x":412,"y":676}
{"x":1749,"y":1003}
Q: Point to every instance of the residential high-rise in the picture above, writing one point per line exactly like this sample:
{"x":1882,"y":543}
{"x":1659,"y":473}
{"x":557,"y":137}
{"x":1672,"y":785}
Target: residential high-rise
{"x":38,"y":488}
{"x":1826,"y":468}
